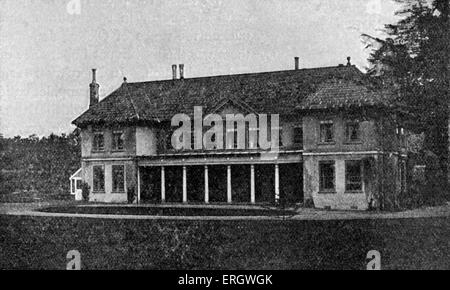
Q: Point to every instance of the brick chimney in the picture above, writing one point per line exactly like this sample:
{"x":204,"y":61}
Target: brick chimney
{"x":181,"y":71}
{"x":296,"y":62}
{"x":174,"y":71}
{"x":93,"y":92}
{"x":349,"y":61}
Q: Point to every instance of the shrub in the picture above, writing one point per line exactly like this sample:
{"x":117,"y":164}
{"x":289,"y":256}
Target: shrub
{"x":131,"y":194}
{"x":85,"y":189}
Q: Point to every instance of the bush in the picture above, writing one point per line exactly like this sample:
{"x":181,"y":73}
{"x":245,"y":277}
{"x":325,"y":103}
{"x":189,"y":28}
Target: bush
{"x":131,"y":194}
{"x":424,"y":194}
{"x":85,"y":189}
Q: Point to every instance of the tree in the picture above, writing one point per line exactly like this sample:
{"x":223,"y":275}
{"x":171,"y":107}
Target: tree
{"x":414,"y":58}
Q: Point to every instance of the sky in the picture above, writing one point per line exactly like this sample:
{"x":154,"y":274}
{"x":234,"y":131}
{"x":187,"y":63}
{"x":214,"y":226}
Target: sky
{"x":48,"y":47}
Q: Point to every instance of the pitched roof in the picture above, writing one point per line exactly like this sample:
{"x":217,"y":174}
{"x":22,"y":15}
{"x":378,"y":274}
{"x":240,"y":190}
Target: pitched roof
{"x":338,"y":94}
{"x":268,"y":92}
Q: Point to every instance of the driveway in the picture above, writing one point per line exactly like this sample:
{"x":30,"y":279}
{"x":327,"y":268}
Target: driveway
{"x":31,"y":209}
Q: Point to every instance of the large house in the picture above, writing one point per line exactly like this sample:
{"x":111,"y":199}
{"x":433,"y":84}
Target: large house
{"x":335,"y":139}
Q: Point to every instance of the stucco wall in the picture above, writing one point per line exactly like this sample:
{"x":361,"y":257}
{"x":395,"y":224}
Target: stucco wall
{"x":108,"y":195}
{"x":314,"y":151}
{"x":87,"y":135}
{"x":340,"y":199}
{"x":146,"y":141}
{"x":311,"y":135}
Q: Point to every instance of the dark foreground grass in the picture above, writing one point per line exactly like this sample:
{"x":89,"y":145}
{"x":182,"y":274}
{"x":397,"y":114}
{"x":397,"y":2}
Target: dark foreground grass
{"x":167,"y":211}
{"x":42,"y":243}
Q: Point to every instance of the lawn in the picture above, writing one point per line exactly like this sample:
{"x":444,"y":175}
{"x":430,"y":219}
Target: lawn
{"x":42,"y":243}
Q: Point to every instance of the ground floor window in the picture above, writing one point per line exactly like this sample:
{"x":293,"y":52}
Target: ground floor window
{"x":353,"y":175}
{"x":99,"y":178}
{"x":118,"y":178}
{"x":326,"y":175}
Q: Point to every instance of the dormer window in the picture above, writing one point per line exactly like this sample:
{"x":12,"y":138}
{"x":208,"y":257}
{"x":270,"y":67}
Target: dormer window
{"x":326,"y":132}
{"x":352,"y":131}
{"x":98,"y":141}
{"x":118,"y":141}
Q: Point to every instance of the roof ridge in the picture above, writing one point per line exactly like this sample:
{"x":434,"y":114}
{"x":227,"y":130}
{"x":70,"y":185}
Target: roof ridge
{"x":250,"y":73}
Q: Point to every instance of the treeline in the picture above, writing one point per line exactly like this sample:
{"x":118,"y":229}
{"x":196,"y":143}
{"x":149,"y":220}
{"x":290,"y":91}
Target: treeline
{"x":39,"y":164}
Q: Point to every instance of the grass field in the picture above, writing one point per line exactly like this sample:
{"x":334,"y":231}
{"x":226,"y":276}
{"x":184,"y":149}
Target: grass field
{"x":42,"y":243}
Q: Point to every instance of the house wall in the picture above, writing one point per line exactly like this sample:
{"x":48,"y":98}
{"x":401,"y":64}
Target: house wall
{"x":340,"y":199}
{"x":87,"y":135}
{"x":109,"y":157}
{"x":311,"y":134}
{"x":109,"y":195}
{"x":339,"y":151}
{"x":146,"y":141}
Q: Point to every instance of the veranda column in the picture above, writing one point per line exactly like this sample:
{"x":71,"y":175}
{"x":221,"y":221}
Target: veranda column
{"x":252,"y":183}
{"x":277,"y":184}
{"x":163,"y":184}
{"x":184,"y":185}
{"x":206,"y":185}
{"x":229,"y":184}
{"x":138,"y":186}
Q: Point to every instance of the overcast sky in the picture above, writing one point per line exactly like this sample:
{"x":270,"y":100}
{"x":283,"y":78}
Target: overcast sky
{"x":48,"y":47}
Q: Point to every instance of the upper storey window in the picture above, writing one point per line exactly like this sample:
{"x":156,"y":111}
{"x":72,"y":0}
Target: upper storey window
{"x":326,"y":132}
{"x":298,"y":135}
{"x":118,"y":140}
{"x":98,"y":141}
{"x":352,"y":131}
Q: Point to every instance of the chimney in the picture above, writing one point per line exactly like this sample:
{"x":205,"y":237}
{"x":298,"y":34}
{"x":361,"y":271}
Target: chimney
{"x":296,"y":62}
{"x":93,"y":90}
{"x":348,"y":61}
{"x":174,"y":71}
{"x":181,"y":71}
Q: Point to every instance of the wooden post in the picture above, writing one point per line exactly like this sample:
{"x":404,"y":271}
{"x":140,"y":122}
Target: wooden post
{"x":206,"y":185}
{"x":163,"y":184}
{"x":277,"y":184}
{"x":184,"y":185}
{"x":229,"y":184}
{"x":252,"y":183}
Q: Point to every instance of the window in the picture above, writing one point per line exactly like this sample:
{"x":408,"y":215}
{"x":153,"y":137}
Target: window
{"x":353,"y":175}
{"x":118,"y":178}
{"x":118,"y":140}
{"x":99,"y":179}
{"x":326,"y":174}
{"x":298,"y":135}
{"x":99,"y":142}
{"x":326,"y":132}
{"x":78,"y":182}
{"x":352,"y":131}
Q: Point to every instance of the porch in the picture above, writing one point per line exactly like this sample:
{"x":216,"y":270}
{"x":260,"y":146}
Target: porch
{"x":232,"y":183}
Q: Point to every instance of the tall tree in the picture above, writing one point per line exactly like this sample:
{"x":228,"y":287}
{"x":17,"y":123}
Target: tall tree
{"x":415,"y":58}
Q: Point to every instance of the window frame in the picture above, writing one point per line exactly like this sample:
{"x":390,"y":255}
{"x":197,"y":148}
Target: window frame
{"x":327,"y":123}
{"x":294,"y":139}
{"x":347,"y":136}
{"x":95,"y":190}
{"x":114,"y":145}
{"x":113,"y":187}
{"x":327,"y":190}
{"x":361,"y":166}
{"x":95,"y":148}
